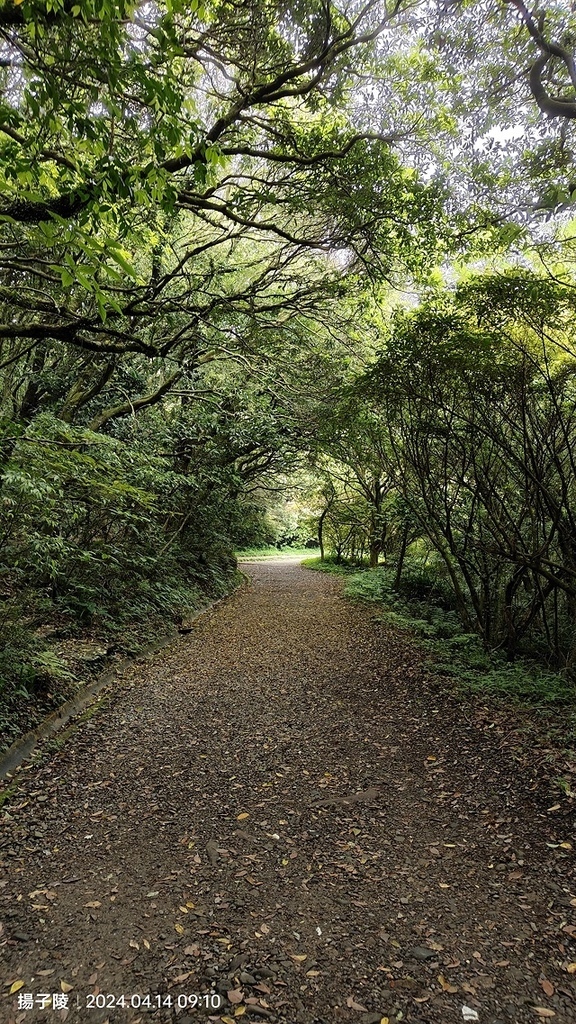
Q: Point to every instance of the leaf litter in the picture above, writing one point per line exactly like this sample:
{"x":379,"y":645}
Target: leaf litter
{"x":283,"y":813}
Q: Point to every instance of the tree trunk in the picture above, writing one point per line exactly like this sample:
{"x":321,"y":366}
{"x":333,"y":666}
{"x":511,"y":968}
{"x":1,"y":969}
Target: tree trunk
{"x":401,"y":557}
{"x":323,"y":515}
{"x":375,"y":547}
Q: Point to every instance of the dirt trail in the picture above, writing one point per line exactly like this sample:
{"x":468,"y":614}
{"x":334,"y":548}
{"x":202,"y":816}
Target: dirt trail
{"x":282,"y":809}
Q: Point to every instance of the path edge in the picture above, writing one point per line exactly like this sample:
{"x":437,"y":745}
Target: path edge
{"x":23,"y":748}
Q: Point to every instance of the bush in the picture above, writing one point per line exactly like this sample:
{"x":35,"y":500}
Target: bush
{"x":95,"y":534}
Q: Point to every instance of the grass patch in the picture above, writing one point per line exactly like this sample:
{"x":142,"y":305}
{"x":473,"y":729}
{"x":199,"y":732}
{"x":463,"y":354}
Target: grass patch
{"x":328,"y":565}
{"x":272,"y":552}
{"x":422,"y":606}
{"x":7,"y":793}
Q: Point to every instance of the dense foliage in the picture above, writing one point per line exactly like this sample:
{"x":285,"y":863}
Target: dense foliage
{"x":469,"y":432}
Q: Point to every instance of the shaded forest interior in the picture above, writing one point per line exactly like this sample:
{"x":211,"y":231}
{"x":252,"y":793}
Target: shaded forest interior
{"x":287,"y":274}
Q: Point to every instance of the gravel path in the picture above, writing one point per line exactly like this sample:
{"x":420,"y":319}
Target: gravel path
{"x":281,"y":813}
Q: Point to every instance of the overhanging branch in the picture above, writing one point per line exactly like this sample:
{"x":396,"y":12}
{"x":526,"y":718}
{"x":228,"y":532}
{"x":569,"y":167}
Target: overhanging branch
{"x":550,"y":105}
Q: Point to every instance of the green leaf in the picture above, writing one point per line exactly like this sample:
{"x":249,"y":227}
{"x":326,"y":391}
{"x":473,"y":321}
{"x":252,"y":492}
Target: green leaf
{"x":121,"y":258}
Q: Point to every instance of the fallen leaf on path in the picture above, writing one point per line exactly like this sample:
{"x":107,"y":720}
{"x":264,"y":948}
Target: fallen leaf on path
{"x":235,"y":995}
{"x":93,"y":903}
{"x":543,"y":1011}
{"x":65,"y":986}
{"x":243,"y":816}
{"x":445,"y":985}
{"x":212,"y":851}
{"x":547,"y":986}
{"x":354,"y":1005}
{"x":15,"y":986}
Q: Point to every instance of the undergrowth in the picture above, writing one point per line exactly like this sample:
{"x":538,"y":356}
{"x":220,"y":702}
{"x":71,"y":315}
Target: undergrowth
{"x":40,"y":638}
{"x":330,"y":565}
{"x":103,"y":544}
{"x":421,"y":604}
